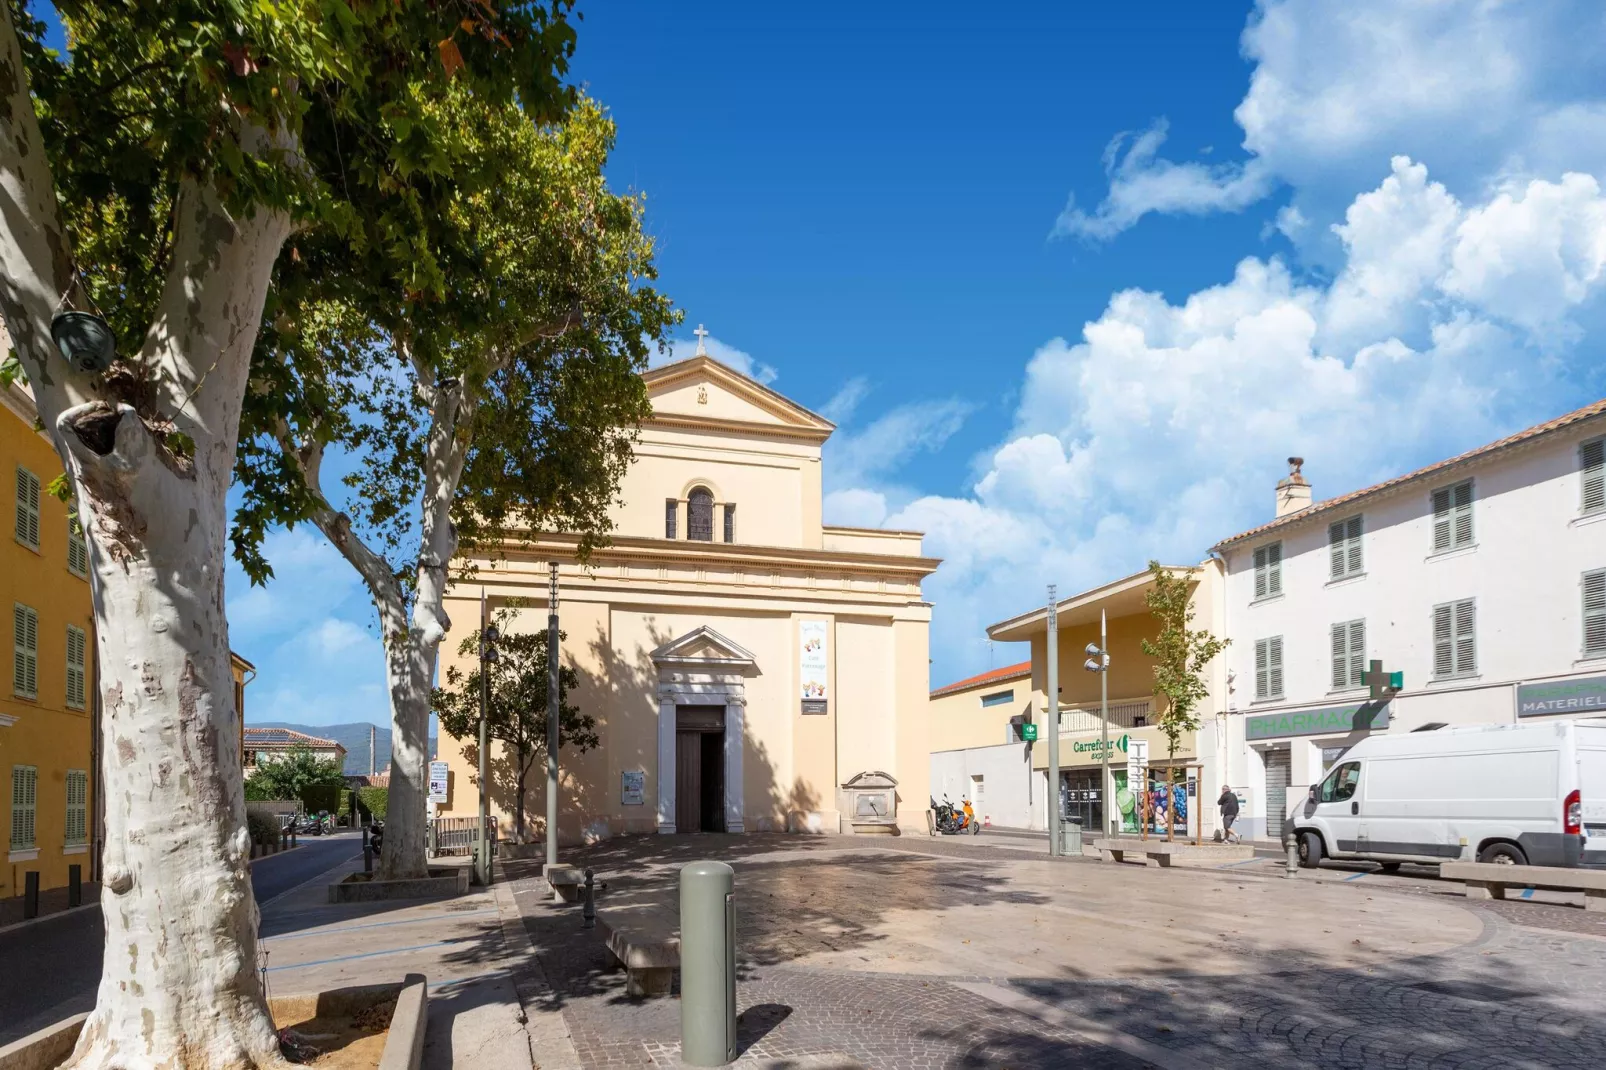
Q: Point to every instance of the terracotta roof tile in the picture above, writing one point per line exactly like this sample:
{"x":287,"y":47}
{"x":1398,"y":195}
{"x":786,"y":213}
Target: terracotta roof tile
{"x":1588,"y":412}
{"x":283,"y":737}
{"x":1008,"y":672}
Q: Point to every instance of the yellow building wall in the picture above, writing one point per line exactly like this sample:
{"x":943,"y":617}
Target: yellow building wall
{"x":42,"y":732}
{"x":958,"y":721}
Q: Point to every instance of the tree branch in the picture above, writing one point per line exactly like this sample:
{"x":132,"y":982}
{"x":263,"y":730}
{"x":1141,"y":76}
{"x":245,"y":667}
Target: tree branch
{"x":36,"y":260}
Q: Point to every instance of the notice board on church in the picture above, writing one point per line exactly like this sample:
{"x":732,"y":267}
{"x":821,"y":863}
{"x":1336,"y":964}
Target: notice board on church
{"x":813,"y":658}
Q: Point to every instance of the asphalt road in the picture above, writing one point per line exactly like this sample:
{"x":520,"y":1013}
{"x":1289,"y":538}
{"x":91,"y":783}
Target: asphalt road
{"x":49,"y":968}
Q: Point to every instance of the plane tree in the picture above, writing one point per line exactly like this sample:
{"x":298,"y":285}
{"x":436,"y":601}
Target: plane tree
{"x":409,"y":425}
{"x":148,"y":184}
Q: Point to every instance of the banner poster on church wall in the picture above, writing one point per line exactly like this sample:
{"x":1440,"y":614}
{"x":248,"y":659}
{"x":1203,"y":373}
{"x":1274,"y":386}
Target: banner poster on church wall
{"x":813,"y":656}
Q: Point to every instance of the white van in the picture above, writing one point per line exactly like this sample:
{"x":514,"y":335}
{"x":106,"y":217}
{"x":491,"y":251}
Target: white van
{"x":1525,"y":794}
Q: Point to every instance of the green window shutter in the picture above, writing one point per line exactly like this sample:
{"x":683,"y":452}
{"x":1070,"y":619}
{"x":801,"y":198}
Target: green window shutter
{"x":1274,"y":665}
{"x":1262,"y":675}
{"x":77,"y":548}
{"x":1463,"y":513}
{"x":1352,"y":551}
{"x":27,"y":508}
{"x":1357,"y":652}
{"x":1442,"y":525}
{"x":75,"y":667}
{"x":1595,"y":612}
{"x":1340,"y":657}
{"x":1592,"y":462}
{"x":77,"y":807}
{"x":24,"y":807}
{"x":25,"y":644}
{"x":1443,"y":641}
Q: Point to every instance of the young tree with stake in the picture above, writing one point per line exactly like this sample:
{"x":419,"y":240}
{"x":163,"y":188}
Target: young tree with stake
{"x":1180,"y":654}
{"x":153,"y":179}
{"x":516,"y":713}
{"x":507,"y":402}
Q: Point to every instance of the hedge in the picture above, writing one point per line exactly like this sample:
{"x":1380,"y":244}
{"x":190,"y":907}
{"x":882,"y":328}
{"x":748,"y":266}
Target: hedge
{"x":374,"y":801}
{"x":319,"y":797}
{"x":263,"y":828}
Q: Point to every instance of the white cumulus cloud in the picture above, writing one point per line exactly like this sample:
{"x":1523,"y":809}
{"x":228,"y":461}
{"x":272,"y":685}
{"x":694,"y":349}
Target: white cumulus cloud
{"x":726,"y":354}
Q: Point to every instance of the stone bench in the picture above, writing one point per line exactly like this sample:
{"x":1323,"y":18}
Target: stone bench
{"x":646,"y":941}
{"x":566,"y":882}
{"x":1489,"y":880}
{"x":1156,"y":852}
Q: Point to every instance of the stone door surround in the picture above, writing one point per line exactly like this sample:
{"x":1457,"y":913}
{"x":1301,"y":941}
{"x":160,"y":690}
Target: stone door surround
{"x":702,"y":668}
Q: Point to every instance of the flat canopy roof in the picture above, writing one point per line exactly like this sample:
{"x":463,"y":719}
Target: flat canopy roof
{"x":1118,"y":598}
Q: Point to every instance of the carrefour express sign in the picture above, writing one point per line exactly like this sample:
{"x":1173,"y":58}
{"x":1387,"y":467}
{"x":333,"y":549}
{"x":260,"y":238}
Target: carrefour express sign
{"x":1333,"y":721}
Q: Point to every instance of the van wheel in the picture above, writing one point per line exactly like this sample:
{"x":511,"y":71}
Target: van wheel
{"x":1390,"y":867}
{"x":1310,"y":850}
{"x":1504,"y":854}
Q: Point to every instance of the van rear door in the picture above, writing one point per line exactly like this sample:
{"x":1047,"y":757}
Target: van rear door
{"x":1591,"y":744}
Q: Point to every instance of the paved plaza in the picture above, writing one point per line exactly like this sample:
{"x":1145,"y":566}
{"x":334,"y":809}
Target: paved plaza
{"x":935,"y":953}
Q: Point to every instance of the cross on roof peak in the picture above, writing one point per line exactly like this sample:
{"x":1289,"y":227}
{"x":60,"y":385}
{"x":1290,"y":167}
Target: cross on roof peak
{"x":702,"y":350}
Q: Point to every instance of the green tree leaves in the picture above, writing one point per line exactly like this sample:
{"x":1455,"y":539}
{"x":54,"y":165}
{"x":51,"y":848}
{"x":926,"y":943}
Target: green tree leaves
{"x":1180,"y":651}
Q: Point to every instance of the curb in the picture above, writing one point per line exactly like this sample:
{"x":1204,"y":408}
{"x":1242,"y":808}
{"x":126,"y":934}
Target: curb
{"x":45,"y":1048}
{"x":404,"y":1047}
{"x":551,"y":1047}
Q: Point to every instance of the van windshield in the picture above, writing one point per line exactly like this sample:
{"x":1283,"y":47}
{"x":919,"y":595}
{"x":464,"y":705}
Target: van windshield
{"x":1340,"y":783}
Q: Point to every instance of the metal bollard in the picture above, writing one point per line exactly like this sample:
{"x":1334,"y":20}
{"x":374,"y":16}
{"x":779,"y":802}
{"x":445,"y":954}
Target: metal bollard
{"x":367,"y":858}
{"x":707,"y":964}
{"x":75,"y":886}
{"x":30,"y":894}
{"x":1293,"y":859}
{"x":588,"y":913}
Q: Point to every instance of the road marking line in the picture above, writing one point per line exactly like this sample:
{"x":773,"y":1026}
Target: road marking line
{"x":1087,"y":1028}
{"x":1357,"y":876}
{"x":1245,"y":862}
{"x":361,"y":955}
{"x":302,"y":935}
{"x":1527,"y":893}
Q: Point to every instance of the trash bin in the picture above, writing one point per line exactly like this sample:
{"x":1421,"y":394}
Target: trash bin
{"x":1071,"y":837}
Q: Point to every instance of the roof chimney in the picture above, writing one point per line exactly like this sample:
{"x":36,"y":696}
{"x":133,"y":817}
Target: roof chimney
{"x":1293,"y":492}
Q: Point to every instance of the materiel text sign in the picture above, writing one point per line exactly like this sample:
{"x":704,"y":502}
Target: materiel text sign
{"x":1562,"y":696}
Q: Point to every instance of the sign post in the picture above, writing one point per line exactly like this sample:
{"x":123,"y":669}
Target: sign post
{"x":1053,"y":800}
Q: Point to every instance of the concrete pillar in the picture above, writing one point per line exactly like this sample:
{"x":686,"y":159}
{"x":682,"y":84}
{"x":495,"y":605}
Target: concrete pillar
{"x":666,"y":766}
{"x":735,"y":711}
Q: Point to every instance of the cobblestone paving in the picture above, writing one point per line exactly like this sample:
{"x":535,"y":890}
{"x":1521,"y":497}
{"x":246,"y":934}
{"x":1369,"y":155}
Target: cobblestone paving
{"x":1529,"y":993}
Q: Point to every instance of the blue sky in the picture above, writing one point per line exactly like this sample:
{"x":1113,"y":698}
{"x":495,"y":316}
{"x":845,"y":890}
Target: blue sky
{"x":1075,"y":278}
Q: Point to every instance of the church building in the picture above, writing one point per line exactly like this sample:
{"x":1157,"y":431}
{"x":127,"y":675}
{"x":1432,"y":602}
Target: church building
{"x":744,"y":661}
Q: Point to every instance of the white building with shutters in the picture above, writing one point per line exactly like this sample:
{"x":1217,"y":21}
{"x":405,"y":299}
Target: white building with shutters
{"x":1481,"y":578}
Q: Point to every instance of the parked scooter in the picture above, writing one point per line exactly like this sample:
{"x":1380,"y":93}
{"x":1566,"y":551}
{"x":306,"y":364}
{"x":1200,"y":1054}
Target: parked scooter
{"x":952,"y":822}
{"x":376,"y":834}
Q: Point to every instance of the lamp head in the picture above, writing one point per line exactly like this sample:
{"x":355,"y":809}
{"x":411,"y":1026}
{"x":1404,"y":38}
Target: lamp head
{"x":1092,"y":665}
{"x":84,"y":339}
{"x":492,"y":634}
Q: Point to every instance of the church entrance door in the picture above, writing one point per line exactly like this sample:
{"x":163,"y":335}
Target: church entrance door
{"x":700,"y":769}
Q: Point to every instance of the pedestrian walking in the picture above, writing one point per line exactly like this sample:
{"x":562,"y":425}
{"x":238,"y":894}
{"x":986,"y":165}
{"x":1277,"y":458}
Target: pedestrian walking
{"x":1228,"y":804}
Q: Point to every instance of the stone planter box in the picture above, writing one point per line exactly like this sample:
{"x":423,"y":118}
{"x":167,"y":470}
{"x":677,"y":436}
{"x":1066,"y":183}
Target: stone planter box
{"x":404,"y":1041}
{"x":363,"y":888}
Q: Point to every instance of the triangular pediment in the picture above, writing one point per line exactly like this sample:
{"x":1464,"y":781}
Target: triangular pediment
{"x":702,"y":390}
{"x":703,"y":646}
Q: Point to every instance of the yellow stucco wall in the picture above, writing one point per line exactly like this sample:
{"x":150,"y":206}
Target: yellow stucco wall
{"x":959,"y":721}
{"x":42,"y":732}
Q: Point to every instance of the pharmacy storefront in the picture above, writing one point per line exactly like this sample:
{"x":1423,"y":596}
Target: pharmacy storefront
{"x":1137,"y":756}
{"x":1282,"y":749}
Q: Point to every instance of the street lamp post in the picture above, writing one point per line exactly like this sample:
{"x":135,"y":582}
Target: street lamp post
{"x":488,"y":638}
{"x":1053,"y":799}
{"x":552,"y":717}
{"x":1098,"y":661}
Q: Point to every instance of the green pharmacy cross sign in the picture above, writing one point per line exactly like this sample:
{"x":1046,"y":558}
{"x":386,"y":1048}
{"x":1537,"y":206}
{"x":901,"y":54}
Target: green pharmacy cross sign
{"x":1383,"y":684}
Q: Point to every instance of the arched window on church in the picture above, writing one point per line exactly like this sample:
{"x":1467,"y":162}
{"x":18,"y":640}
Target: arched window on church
{"x":700,"y":515}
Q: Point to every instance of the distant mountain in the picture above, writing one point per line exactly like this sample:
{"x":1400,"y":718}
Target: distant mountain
{"x":354,"y":737}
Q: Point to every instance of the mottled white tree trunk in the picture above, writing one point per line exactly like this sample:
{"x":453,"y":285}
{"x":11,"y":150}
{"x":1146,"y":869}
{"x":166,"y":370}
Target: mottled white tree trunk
{"x":179,"y":985}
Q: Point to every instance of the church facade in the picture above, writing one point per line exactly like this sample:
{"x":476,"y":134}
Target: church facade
{"x":743,"y":660}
